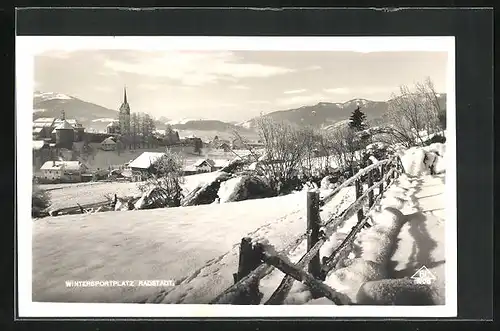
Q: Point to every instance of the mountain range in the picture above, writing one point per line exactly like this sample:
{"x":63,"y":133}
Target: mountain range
{"x":323,"y":114}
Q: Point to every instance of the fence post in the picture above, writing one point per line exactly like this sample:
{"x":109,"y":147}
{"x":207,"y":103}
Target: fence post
{"x":313,"y":225}
{"x":381,"y":187}
{"x":249,"y":260}
{"x":388,"y":166}
{"x":370,"y":194}
{"x":359,"y":193}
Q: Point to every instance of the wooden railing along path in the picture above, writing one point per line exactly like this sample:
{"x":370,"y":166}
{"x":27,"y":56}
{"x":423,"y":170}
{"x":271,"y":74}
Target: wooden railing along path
{"x":257,"y":259}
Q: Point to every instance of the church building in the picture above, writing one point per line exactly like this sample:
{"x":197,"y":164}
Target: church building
{"x":124,"y":115}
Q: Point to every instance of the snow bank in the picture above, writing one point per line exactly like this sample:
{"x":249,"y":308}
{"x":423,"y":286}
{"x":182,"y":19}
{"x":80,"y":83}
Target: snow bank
{"x":413,"y":162}
{"x":327,"y":183}
{"x":418,"y":161}
{"x":403,"y":291}
{"x":376,"y":246}
{"x":228,"y":188}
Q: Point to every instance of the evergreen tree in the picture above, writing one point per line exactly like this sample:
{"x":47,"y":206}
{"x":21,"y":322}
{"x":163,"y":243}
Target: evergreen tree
{"x":198,"y":144}
{"x":357,"y":121}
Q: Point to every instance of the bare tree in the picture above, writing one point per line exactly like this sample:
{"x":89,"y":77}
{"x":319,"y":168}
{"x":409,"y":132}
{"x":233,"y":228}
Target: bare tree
{"x":344,"y":145}
{"x":167,"y":176}
{"x":284,"y":146}
{"x":311,"y":142}
{"x":148,"y":127}
{"x":433,"y":111}
{"x":135,"y":129}
{"x":414,"y":114}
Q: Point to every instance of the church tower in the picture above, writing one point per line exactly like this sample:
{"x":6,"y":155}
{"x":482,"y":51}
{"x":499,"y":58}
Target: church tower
{"x":124,"y":116}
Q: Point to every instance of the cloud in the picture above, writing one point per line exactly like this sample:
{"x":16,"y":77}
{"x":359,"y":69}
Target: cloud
{"x":362,"y":90}
{"x":195,"y":68}
{"x":240,"y":87}
{"x":295,"y":91}
{"x":337,"y":90}
{"x":301,"y":100}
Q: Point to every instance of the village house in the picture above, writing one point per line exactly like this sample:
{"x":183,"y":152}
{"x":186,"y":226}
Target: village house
{"x":43,"y":127}
{"x":62,"y":171}
{"x":108,"y":144}
{"x":205,"y":165}
{"x":143,"y":164}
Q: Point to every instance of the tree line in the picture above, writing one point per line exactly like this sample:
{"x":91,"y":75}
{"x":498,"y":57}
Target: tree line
{"x":292,"y":151}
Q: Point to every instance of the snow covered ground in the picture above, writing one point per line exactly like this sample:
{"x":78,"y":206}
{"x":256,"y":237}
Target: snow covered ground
{"x":419,"y":242}
{"x":196,"y":246}
{"x":68,"y":195}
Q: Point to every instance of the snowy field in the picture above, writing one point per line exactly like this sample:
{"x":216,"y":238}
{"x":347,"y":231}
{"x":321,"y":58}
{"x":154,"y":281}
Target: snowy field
{"x":196,"y":246}
{"x":68,"y":195}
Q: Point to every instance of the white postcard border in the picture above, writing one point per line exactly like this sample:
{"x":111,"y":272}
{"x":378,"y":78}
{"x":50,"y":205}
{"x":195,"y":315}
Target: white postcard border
{"x":28,"y":46}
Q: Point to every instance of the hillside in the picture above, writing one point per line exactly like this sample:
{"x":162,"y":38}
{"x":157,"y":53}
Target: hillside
{"x":327,"y":113}
{"x":93,"y":116}
{"x":50,"y":104}
{"x":90,"y":115}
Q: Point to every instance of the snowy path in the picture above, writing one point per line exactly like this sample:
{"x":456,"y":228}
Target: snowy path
{"x":196,"y":246}
{"x":419,"y":242}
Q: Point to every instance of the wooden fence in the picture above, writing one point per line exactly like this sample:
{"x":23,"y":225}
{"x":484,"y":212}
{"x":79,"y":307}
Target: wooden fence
{"x":257,"y":260}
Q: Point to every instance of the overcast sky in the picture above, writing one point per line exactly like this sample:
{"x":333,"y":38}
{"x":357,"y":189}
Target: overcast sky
{"x":231,"y":86}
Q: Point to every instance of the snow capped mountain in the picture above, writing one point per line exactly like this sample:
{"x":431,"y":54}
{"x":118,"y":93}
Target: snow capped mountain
{"x":356,"y":102}
{"x":90,"y":115}
{"x":324,"y":114}
{"x":44,"y":96}
{"x":105,"y":120}
{"x":183,"y":121}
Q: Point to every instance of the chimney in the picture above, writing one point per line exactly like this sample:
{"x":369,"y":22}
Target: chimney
{"x":53,"y":163}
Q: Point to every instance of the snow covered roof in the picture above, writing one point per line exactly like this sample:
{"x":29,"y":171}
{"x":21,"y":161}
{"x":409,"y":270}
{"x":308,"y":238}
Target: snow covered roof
{"x":108,"y":141}
{"x":221,"y":163}
{"x":71,"y":121}
{"x":113,"y":124}
{"x":160,"y":131}
{"x":145,"y":160}
{"x":199,"y":163}
{"x":43,"y":122}
{"x":64,"y":126}
{"x":38,"y":144}
{"x":67,"y":165}
{"x":37,"y":130}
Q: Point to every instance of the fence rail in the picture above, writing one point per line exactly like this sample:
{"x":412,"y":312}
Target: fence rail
{"x":258,"y":259}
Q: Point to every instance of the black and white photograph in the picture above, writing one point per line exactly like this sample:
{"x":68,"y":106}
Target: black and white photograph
{"x":198,"y":175}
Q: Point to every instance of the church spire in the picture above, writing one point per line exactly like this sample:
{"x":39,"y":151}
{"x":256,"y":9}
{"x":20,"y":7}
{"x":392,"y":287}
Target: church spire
{"x":125,"y":94}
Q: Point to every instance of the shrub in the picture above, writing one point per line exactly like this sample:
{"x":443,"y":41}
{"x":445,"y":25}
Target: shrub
{"x":40,"y":200}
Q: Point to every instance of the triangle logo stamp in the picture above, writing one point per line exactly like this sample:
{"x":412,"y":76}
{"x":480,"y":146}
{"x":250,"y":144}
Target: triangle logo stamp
{"x":423,"y":276}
